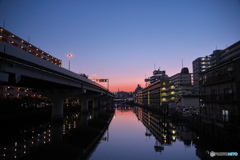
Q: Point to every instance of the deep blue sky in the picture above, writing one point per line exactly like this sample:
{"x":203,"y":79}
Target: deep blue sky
{"x":123,"y":39}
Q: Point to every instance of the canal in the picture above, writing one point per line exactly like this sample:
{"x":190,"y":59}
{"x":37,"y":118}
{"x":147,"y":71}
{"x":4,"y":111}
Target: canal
{"x":122,"y":133}
{"x":135,"y":133}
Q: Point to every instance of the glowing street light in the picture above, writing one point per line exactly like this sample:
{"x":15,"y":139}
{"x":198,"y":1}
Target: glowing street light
{"x":69,"y":56}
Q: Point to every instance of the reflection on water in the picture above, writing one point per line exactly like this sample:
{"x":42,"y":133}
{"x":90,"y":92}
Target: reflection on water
{"x":134,"y":133}
{"x":52,"y":140}
{"x":139,"y":134}
{"x":28,"y":139}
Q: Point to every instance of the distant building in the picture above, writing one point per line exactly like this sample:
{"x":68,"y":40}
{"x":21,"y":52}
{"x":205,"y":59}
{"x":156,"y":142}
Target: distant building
{"x":17,"y":92}
{"x":182,"y":82}
{"x":157,"y":75}
{"x":185,"y":95}
{"x":123,"y":95}
{"x":215,"y":57}
{"x":199,"y":65}
{"x":7,"y":37}
{"x":219,"y":56}
{"x":137,"y":94}
{"x":138,"y":89}
{"x":159,"y":94}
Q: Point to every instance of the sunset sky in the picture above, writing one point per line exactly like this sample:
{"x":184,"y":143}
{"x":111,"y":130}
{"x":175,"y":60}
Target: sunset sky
{"x":121,"y":40}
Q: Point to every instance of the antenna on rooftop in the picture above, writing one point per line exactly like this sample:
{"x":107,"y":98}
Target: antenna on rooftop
{"x":4,"y":24}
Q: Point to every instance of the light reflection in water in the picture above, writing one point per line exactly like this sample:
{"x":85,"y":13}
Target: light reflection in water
{"x":37,"y":136}
{"x":138,"y":134}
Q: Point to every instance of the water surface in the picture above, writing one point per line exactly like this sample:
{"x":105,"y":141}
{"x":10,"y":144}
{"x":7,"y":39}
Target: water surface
{"x":128,"y":138}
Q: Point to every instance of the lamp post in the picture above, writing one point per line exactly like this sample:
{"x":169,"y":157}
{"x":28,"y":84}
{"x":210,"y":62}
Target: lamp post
{"x":69,"y":56}
{"x":94,"y":75}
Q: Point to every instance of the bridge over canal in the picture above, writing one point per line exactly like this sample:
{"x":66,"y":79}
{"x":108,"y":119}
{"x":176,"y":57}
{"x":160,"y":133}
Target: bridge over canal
{"x":24,"y":65}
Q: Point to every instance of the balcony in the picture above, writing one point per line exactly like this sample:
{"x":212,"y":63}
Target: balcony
{"x":219,"y":98}
{"x":221,"y":78}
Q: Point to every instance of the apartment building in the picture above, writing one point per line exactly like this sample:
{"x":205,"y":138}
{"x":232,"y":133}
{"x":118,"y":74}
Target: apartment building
{"x":220,"y":89}
{"x":199,"y":65}
{"x":17,"y":92}
{"x":159,"y":95}
{"x":7,"y":37}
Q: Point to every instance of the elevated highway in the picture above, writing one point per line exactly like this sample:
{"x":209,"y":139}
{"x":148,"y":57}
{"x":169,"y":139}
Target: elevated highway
{"x":19,"y":68}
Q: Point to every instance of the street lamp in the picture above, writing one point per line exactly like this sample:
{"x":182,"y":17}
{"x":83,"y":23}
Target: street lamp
{"x":94,"y":75}
{"x":69,"y":56}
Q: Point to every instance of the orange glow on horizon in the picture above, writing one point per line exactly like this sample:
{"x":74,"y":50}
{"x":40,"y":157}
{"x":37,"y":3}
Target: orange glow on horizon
{"x":126,"y":87}
{"x":129,"y":84}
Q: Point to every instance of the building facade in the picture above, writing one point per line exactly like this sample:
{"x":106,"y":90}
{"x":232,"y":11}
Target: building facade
{"x":7,"y":37}
{"x":220,"y":93}
{"x":182,"y":82}
{"x":159,"y":94}
{"x":186,"y":97}
{"x":199,"y":65}
{"x":137,"y":94}
{"x":157,"y":75}
{"x":17,"y":92}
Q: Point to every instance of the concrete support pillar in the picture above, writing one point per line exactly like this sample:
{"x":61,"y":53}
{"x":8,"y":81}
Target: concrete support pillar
{"x":85,"y":98}
{"x":84,"y":119}
{"x":95,"y":114}
{"x":103,"y":102}
{"x":84,"y":105}
{"x":95,"y":103}
{"x":57,"y":96}
{"x":57,"y":108}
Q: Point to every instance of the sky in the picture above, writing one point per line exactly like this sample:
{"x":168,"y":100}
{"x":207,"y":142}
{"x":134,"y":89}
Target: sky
{"x":124,"y":40}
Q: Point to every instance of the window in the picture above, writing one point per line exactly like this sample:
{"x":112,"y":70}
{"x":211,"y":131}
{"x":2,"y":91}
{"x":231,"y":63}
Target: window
{"x":225,"y":115}
{"x":227,"y":91}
